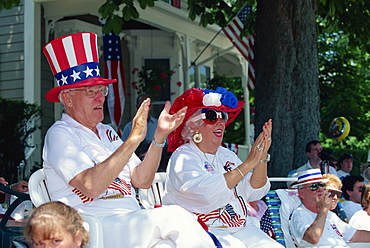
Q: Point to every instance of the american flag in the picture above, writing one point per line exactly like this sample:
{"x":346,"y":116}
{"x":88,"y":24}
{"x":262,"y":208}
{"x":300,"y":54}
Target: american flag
{"x":114,"y":70}
{"x":266,"y":224}
{"x":244,"y":45}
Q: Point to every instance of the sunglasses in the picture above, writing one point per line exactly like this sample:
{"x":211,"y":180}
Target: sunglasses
{"x":335,"y":193}
{"x":210,"y":116}
{"x":315,"y":186}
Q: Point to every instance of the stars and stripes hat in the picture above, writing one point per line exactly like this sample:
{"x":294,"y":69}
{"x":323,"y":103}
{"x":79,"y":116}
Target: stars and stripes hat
{"x":308,"y":177}
{"x":74,"y":61}
{"x":195,"y":98}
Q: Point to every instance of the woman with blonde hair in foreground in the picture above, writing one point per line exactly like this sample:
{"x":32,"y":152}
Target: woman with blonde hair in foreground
{"x":55,"y":224}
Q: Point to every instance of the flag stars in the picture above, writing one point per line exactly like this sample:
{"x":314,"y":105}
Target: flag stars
{"x":75,"y":75}
{"x":97,"y":71}
{"x":64,"y":80}
{"x":88,"y":72}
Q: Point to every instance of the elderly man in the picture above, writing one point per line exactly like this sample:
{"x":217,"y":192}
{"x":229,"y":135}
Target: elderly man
{"x":312,"y":224}
{"x":89,"y":167}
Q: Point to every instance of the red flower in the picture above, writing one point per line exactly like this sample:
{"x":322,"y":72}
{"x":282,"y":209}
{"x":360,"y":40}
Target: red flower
{"x":163,"y":75}
{"x":134,"y":85}
{"x":179,"y":83}
{"x":134,"y":70}
{"x":157,"y":88}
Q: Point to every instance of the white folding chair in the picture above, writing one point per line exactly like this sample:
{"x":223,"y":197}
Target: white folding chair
{"x":153,"y":196}
{"x":38,"y":190}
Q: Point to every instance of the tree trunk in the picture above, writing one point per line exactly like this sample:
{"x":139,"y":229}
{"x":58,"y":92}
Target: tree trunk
{"x":287,"y":89}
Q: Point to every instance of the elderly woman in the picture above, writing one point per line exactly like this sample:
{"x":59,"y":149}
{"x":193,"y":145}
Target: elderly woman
{"x":334,"y":186}
{"x":210,"y":180}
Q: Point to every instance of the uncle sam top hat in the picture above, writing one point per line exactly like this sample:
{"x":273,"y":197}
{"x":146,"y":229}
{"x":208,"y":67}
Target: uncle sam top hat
{"x":308,"y":177}
{"x":74,"y":61}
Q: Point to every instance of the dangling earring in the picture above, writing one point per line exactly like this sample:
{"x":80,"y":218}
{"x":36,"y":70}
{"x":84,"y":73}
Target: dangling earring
{"x":197,"y":138}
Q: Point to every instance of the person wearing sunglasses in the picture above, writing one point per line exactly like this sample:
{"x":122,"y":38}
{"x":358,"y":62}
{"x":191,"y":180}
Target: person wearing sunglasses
{"x":312,"y":224}
{"x":361,"y":219}
{"x":210,"y":180}
{"x":91,"y":169}
{"x":334,"y":187}
{"x":352,"y":189}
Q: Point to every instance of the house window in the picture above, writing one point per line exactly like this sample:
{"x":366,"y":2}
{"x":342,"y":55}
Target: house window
{"x":174,"y":3}
{"x":164,"y":94}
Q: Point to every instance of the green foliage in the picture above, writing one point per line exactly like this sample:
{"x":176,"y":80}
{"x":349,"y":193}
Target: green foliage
{"x":8,"y":4}
{"x":220,"y":12}
{"x":352,"y":17}
{"x":345,"y":86}
{"x":17,"y":123}
{"x":351,"y":145}
{"x":114,"y":18}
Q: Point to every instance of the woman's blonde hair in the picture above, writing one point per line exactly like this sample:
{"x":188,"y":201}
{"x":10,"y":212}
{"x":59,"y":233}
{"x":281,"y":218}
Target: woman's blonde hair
{"x":333,"y":181}
{"x":365,"y":201}
{"x":52,"y":217}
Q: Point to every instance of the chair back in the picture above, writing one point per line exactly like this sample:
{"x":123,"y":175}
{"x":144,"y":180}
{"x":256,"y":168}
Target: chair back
{"x":38,"y":190}
{"x":281,"y":203}
{"x":11,"y":233}
{"x":152,"y":197}
{"x":273,"y":203}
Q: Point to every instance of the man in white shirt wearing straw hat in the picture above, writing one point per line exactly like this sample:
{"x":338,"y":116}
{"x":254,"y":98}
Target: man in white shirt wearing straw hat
{"x":312,"y":224}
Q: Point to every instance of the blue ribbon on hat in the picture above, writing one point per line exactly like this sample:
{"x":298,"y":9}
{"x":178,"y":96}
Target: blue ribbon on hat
{"x":227,"y":97}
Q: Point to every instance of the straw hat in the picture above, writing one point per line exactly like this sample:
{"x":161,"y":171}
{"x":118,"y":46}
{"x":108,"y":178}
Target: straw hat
{"x":308,"y":177}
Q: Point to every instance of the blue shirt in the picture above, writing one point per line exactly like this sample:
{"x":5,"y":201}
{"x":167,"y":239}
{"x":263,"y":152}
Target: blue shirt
{"x":152,"y":125}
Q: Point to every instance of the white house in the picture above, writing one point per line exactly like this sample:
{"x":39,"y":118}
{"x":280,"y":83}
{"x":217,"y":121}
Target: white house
{"x":162,"y":33}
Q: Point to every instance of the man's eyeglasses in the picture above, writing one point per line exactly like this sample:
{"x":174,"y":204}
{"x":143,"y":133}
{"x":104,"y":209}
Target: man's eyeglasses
{"x":91,"y":91}
{"x":210,"y":116}
{"x":315,"y":186}
{"x":335,"y":193}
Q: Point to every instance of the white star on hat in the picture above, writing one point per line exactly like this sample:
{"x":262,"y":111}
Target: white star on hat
{"x":88,"y":72}
{"x":64,"y":79}
{"x":75,"y":75}
{"x":97,"y":71}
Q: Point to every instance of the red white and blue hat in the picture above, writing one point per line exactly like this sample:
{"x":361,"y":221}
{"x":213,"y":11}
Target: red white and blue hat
{"x":195,"y":98}
{"x":74,"y":61}
{"x":308,"y":177}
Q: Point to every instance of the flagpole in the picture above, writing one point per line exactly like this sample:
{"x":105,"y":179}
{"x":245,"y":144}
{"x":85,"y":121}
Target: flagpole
{"x":209,"y":43}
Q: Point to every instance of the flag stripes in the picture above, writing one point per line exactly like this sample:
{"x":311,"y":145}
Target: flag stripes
{"x":245,"y":45}
{"x":114,"y":70}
